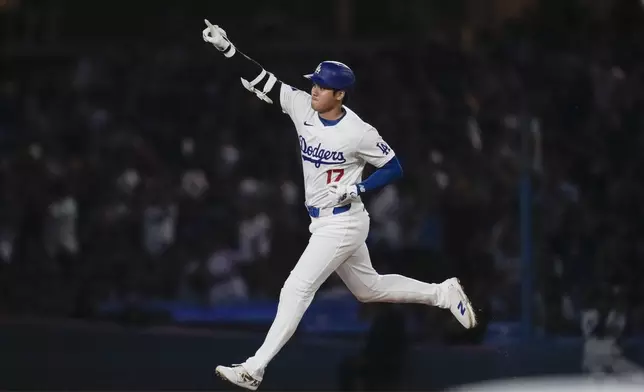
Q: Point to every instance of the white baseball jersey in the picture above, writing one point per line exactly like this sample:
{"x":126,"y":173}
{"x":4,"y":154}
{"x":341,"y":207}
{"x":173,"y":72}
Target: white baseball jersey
{"x":331,"y":153}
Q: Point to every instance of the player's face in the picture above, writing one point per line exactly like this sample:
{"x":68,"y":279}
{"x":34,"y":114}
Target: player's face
{"x":325,"y":99}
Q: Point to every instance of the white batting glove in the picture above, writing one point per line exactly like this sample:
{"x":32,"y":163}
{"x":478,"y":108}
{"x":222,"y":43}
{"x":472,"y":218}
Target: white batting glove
{"x":343,"y":194}
{"x":218,"y":38}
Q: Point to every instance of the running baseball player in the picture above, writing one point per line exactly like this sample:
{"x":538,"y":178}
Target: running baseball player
{"x":335,"y":146}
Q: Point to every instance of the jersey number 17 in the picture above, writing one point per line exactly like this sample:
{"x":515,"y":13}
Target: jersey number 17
{"x":334,"y":175}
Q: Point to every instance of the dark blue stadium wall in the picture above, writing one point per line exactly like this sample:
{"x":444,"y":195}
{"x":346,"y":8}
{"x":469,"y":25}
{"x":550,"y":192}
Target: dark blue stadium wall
{"x":55,"y":357}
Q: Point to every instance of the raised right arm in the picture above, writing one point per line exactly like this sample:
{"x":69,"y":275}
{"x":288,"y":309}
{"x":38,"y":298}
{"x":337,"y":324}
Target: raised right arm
{"x":254,"y":77}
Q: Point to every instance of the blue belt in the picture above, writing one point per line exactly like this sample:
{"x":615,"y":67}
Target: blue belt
{"x":314,"y":212}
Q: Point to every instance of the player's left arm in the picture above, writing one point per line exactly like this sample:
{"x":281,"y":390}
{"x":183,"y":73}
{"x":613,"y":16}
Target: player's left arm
{"x":373,"y":149}
{"x":388,"y":173}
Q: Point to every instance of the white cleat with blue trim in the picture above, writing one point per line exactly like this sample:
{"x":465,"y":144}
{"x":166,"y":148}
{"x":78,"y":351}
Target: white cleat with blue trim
{"x":460,"y":305}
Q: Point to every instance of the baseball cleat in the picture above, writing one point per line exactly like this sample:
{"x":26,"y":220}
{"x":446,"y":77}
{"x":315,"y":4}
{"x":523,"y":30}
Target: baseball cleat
{"x":460,"y":305}
{"x":237,"y":375}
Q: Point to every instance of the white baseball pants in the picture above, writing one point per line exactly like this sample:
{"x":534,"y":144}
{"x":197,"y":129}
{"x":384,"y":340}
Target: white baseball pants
{"x":337,"y":244}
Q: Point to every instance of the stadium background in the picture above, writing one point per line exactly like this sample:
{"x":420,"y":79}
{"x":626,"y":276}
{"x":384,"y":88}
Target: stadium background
{"x":145,"y":193}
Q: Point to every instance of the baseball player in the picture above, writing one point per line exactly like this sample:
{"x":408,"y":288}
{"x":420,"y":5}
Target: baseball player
{"x":335,"y":146}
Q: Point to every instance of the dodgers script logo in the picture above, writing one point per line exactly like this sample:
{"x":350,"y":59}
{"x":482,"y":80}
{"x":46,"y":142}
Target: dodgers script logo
{"x":319,"y":156}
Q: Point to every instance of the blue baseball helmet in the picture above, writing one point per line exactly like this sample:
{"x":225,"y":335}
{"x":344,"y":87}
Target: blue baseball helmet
{"x":332,"y":74}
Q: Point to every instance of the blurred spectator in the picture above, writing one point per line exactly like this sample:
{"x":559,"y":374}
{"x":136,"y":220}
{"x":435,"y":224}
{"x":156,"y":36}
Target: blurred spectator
{"x":603,"y":323}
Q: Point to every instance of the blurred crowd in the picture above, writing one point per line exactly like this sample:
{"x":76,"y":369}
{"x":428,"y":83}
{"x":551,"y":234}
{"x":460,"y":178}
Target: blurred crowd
{"x":138,"y":168}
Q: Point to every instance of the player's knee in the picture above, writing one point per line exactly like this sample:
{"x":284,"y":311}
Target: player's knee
{"x":365,"y":296}
{"x":368,"y":292}
{"x":296,"y":286}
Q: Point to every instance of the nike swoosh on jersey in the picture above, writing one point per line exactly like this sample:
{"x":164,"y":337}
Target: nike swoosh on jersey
{"x":307,"y":124}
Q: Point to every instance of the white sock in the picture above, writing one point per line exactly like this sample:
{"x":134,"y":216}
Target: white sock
{"x":290,"y":310}
{"x":398,"y":288}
